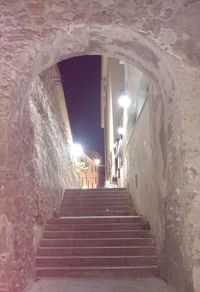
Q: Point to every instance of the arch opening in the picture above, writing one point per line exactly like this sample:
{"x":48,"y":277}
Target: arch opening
{"x":170,"y":127}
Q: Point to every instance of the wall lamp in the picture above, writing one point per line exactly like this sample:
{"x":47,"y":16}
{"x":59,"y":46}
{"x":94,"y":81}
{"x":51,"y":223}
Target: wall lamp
{"x":124,"y":101}
{"x":121,"y":131}
{"x":77,"y":150}
{"x":97,"y":161}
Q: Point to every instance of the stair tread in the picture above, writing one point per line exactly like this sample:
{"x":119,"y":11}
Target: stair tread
{"x":95,"y":234}
{"x":95,"y":213}
{"x":96,"y":257}
{"x":97,"y":267}
{"x":94,"y":239}
{"x":96,"y":247}
{"x":93,"y":217}
{"x":107,"y":223}
{"x":98,"y":232}
{"x":94,"y":231}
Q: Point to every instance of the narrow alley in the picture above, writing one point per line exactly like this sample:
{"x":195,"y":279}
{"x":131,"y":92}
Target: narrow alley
{"x":99,"y":190}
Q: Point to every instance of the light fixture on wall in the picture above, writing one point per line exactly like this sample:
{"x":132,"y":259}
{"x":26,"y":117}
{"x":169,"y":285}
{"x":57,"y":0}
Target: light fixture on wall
{"x":121,"y":131}
{"x":124,"y":100}
{"x":97,"y":161}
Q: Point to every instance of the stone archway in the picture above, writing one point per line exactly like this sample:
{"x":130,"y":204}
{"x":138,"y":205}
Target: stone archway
{"x":157,"y":37}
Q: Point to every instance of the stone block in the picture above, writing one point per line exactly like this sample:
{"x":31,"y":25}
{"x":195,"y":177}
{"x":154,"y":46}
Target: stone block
{"x":3,"y":154}
{"x":3,"y":183}
{"x":5,"y":206}
{"x":24,"y":21}
{"x":35,"y":8}
{"x":3,"y":238}
{"x":5,"y":105}
{"x":3,"y":282}
{"x":3,"y":129}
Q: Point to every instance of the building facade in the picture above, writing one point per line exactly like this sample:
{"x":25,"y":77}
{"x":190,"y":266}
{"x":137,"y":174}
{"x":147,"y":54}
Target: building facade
{"x":88,"y":172}
{"x":124,"y":91}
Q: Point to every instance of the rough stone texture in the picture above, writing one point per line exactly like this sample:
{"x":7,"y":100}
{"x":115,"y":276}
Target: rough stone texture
{"x":159,"y":37}
{"x":44,"y":169}
{"x":146,"y":161}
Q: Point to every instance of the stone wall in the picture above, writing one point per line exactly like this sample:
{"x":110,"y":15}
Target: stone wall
{"x":44,"y":169}
{"x":146,"y":167}
{"x":165,"y":186}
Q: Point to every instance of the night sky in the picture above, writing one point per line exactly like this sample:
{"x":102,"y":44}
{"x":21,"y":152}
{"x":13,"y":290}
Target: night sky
{"x":81,"y":77}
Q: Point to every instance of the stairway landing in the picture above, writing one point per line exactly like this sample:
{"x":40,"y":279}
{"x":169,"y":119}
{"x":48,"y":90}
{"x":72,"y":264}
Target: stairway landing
{"x":100,"y":285}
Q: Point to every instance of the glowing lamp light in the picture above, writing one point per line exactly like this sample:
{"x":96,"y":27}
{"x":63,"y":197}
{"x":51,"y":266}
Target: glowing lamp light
{"x":121,"y":131}
{"x":77,"y":150}
{"x":124,"y":101}
{"x":107,"y":182}
{"x":97,"y":161}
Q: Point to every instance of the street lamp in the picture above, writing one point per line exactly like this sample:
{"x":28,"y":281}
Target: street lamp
{"x":77,"y":150}
{"x":124,"y":101}
{"x":97,"y":161}
{"x":121,"y":131}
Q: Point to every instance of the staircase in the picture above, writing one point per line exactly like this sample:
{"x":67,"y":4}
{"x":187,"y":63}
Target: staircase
{"x":97,"y":233}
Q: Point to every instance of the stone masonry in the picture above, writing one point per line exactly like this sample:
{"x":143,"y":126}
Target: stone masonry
{"x":44,"y":169}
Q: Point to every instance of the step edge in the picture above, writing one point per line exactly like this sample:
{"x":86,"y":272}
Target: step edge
{"x":96,"y":267}
{"x":98,"y":217}
{"x":94,"y":239}
{"x":97,"y":257}
{"x":97,"y":223}
{"x":93,"y":231}
{"x":97,"y":247}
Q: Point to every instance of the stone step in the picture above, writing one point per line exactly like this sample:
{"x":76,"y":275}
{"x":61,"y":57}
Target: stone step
{"x":94,"y":220}
{"x":96,"y":196}
{"x":94,"y":234}
{"x":96,"y":242}
{"x":150,"y":271}
{"x":96,"y":213}
{"x":96,"y":201}
{"x":98,"y":251}
{"x":97,"y":226}
{"x":97,"y":208}
{"x":100,"y":261}
{"x":100,"y":203}
{"x":99,"y":234}
{"x":96,"y":191}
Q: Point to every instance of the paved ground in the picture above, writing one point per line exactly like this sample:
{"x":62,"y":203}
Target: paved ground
{"x":100,"y":285}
